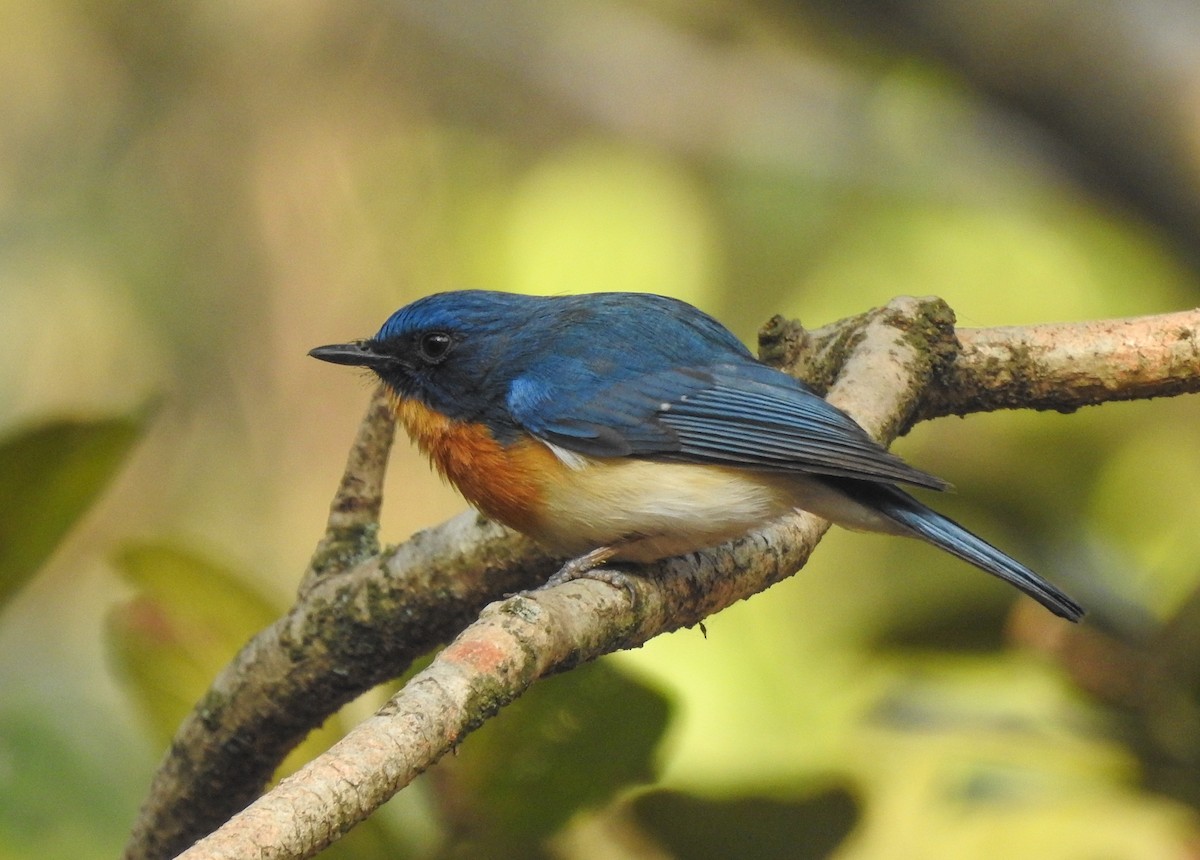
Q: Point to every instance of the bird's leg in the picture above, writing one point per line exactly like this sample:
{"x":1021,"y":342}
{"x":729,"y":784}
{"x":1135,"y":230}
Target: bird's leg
{"x":586,"y":567}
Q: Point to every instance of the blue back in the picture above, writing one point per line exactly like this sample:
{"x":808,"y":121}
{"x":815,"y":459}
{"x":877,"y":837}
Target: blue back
{"x":625,"y":375}
{"x":552,"y":345}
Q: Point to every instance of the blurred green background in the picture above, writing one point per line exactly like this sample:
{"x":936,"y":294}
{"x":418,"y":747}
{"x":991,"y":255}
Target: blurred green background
{"x":193,"y":194}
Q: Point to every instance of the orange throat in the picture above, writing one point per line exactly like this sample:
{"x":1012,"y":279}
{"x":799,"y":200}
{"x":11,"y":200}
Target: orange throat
{"x":504,"y":482}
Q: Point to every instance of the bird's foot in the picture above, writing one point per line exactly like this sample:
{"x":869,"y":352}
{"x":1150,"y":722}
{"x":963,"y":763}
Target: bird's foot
{"x":588,"y":566}
{"x":583,"y":566}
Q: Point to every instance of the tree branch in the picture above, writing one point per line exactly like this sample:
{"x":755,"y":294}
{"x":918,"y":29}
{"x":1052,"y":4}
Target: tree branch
{"x":353,"y":629}
{"x":1061,"y":366}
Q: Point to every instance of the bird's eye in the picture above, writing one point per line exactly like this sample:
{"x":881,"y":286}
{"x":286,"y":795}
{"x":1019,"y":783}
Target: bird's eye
{"x":434,"y":345}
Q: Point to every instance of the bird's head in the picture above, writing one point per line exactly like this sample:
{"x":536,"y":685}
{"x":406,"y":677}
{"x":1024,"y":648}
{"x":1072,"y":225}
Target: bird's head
{"x":456,"y":352}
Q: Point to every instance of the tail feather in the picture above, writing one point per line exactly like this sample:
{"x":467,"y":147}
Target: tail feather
{"x":944,"y":533}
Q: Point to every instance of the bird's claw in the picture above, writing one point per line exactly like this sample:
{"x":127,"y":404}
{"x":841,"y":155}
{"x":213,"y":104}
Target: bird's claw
{"x":588,"y":566}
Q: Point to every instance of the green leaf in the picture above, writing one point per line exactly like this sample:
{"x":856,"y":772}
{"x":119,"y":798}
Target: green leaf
{"x":570,"y":742}
{"x":50,"y":475}
{"x":189,"y":619}
{"x":64,"y":795}
{"x":758,"y":827}
{"x":996,"y":757}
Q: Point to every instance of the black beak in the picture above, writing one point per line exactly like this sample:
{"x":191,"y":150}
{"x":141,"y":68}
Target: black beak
{"x":357,"y":353}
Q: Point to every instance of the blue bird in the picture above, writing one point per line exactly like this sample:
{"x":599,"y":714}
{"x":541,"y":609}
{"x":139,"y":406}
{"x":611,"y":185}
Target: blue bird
{"x":636,"y":427}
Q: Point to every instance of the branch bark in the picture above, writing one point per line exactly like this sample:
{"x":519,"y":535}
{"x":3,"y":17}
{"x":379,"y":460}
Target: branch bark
{"x":1060,"y":367}
{"x":352,"y":629}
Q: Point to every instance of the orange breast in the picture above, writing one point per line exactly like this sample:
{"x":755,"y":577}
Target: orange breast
{"x":505,"y":482}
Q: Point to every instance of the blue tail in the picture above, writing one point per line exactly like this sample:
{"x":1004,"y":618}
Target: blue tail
{"x":943,"y":532}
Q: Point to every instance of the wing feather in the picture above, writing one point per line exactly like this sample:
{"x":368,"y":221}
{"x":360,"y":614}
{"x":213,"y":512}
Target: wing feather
{"x":738,"y":414}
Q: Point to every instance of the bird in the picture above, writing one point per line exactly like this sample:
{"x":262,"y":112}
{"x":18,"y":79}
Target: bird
{"x":635,"y":427}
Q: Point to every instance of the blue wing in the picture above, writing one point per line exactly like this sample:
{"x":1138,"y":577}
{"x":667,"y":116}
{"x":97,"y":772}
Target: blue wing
{"x":738,"y":414}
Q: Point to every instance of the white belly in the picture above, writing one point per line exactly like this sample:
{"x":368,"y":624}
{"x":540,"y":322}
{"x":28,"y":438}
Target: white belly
{"x":651,"y":510}
{"x":656,"y":510}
